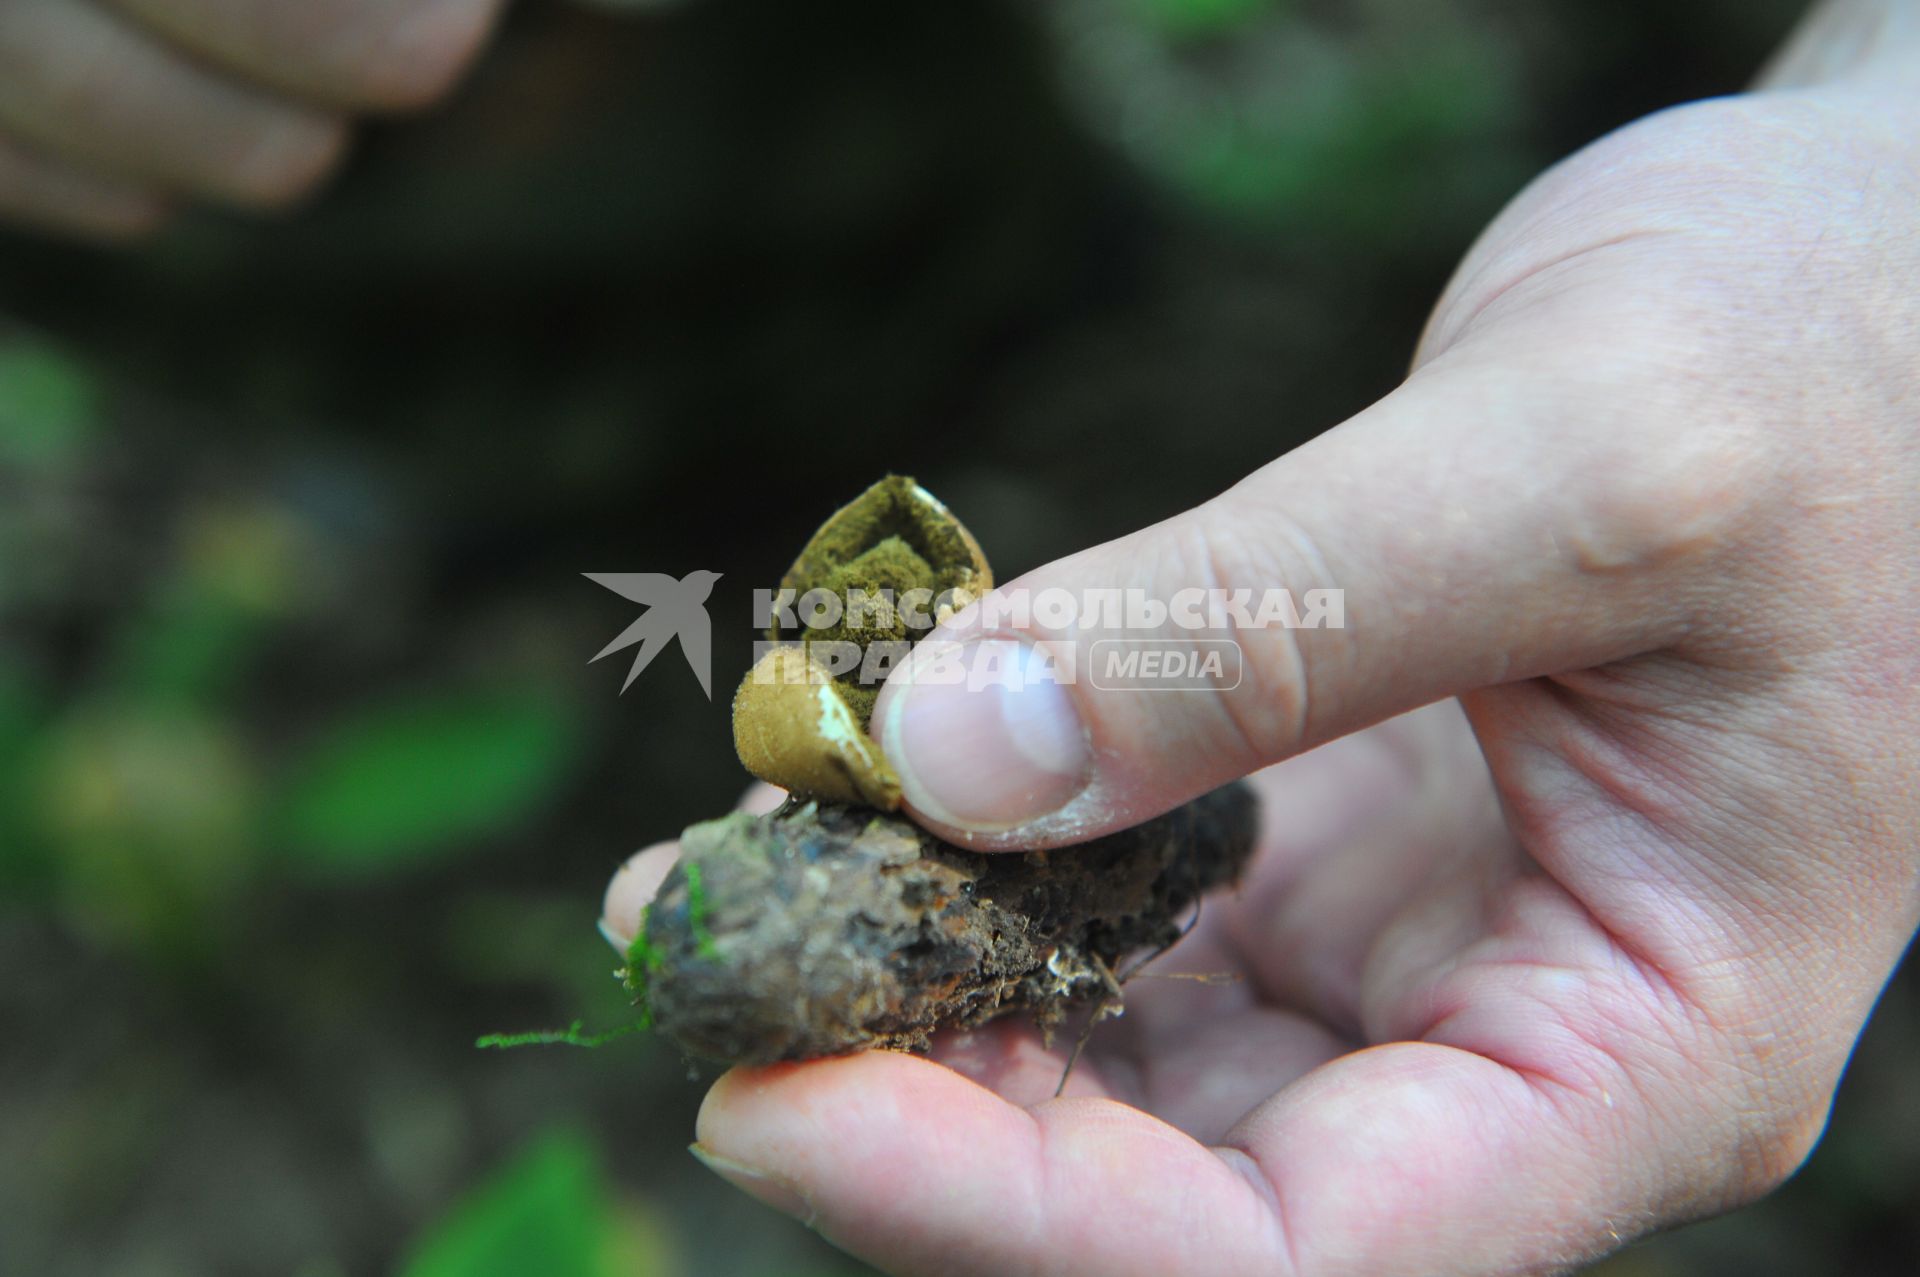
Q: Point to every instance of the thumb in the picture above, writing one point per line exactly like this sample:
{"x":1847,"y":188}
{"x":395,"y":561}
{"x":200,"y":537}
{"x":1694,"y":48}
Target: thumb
{"x":1481,"y":526}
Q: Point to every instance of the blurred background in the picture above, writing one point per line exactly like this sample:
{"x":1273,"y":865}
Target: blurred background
{"x":304,"y":778}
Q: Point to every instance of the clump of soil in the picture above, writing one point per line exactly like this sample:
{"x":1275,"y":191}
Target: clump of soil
{"x":824,"y":928}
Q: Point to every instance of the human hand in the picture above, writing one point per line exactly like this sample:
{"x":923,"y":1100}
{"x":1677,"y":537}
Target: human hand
{"x":112,"y":110}
{"x":1528,"y":974}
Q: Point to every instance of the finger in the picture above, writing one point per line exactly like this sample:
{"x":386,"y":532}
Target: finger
{"x":918,"y":1170}
{"x":1394,"y":826}
{"x":633,"y":888}
{"x":1197,"y":1053}
{"x":87,"y":85}
{"x":636,"y":883}
{"x":1485,"y":523}
{"x":761,"y":798}
{"x":1405,"y":1158}
{"x":43,"y":192}
{"x":351,"y":53}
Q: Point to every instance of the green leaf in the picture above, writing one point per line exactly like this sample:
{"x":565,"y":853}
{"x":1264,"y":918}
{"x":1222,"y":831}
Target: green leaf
{"x":548,"y":1212}
{"x":1202,"y":17}
{"x":191,"y":648}
{"x":49,"y":403}
{"x":407,"y":781}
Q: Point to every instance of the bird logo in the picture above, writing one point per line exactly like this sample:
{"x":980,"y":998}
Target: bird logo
{"x":675,"y":609}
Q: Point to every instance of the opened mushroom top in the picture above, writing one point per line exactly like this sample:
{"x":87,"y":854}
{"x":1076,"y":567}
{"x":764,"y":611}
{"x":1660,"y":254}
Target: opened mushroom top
{"x":893,"y":561}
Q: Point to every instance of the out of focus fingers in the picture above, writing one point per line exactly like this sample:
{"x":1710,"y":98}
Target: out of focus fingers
{"x":370,"y":54}
{"x":92,"y":88}
{"x":41,"y":191}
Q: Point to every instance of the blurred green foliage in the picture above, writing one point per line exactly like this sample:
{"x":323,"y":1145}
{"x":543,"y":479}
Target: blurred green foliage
{"x":19,"y":718}
{"x":148,"y":825}
{"x":1266,"y":117}
{"x":1201,"y":17}
{"x":143,"y":798}
{"x":49,"y":405}
{"x":402,"y":781}
{"x":550,"y":1212}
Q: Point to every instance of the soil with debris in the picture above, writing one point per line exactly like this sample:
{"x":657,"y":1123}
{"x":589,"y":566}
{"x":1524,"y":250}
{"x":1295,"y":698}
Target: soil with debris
{"x":825,"y":928}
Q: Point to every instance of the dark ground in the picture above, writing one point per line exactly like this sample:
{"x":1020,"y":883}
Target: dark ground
{"x":304,"y":780}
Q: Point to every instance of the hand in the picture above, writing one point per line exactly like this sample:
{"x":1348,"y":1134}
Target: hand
{"x":1579,"y":950}
{"x":111,"y":110}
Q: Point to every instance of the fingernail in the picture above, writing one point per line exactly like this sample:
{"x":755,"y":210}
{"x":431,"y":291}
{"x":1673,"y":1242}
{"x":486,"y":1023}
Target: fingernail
{"x":771,"y":1189}
{"x":992,"y":742}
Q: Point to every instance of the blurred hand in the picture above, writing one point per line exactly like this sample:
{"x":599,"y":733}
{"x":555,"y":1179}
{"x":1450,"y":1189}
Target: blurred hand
{"x":112,"y":110}
{"x":1578,"y":950}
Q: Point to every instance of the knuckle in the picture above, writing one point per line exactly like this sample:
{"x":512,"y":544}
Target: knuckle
{"x":1670,"y":443}
{"x":1654,"y":503}
{"x":1759,"y":1093}
{"x":1776,"y":1153}
{"x":1782,"y":1092}
{"x":1772,"y":1138}
{"x":1267,"y":713}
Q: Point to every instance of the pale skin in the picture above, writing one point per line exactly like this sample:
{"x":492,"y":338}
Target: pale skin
{"x":1589,"y":843}
{"x":116,"y":113}
{"x":1579,"y":949}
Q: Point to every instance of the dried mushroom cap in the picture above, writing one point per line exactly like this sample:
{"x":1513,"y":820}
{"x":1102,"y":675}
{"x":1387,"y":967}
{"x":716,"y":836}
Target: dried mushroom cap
{"x":804,"y":729}
{"x":793,"y":727}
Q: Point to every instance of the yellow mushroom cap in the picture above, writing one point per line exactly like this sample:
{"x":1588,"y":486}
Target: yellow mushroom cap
{"x":794,"y":729}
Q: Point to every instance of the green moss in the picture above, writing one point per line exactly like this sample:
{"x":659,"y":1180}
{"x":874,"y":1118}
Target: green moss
{"x":643,"y":959}
{"x":572,"y":1035}
{"x":697,"y":913}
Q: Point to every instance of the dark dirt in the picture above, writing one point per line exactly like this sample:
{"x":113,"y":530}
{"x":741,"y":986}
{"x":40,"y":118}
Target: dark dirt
{"x":823,"y":928}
